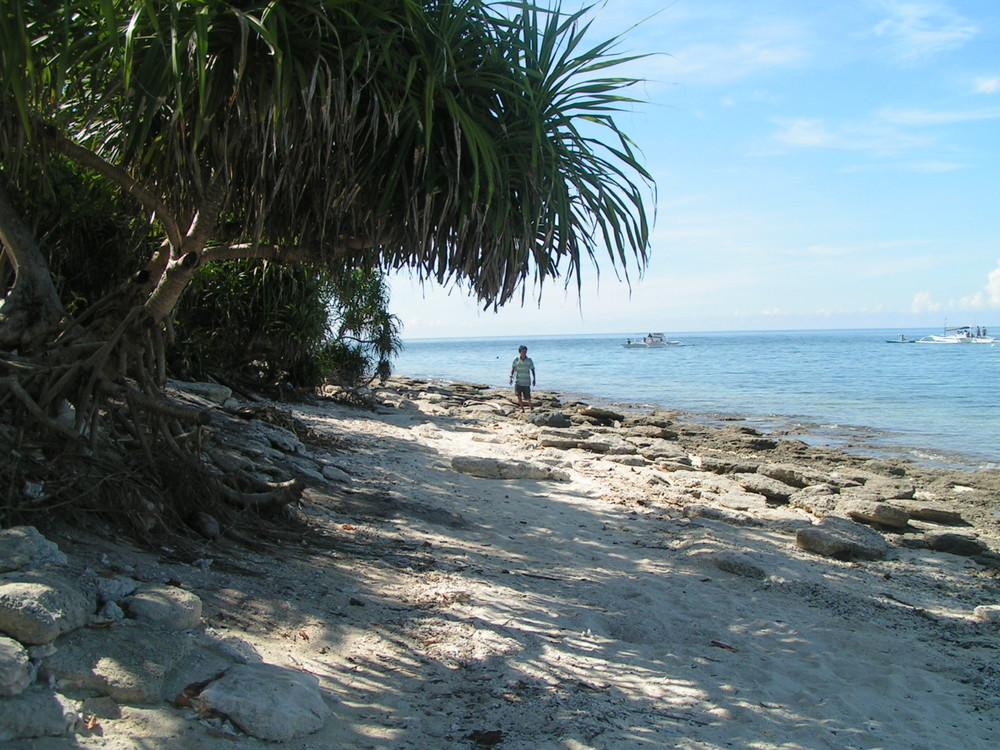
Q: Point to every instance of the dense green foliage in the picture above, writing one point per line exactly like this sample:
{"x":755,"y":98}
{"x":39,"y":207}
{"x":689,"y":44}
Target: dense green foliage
{"x":264,"y":324}
{"x":470,"y":141}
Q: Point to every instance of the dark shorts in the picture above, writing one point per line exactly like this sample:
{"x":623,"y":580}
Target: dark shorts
{"x":522,"y":390}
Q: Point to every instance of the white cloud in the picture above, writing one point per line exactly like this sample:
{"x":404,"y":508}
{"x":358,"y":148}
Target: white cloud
{"x":930,"y":117}
{"x":975,"y":301}
{"x":757,"y":49}
{"x":876,"y":137}
{"x":935,"y":167}
{"x":805,"y":132}
{"x":922,"y":303}
{"x":986,"y":85}
{"x":987,"y":298}
{"x":993,"y":285}
{"x":916,"y":30}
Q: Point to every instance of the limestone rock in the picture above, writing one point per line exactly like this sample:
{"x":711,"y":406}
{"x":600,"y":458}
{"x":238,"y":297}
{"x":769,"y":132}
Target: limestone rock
{"x":874,"y":513}
{"x":23,"y":546}
{"x":333,"y":474}
{"x":747,"y":438}
{"x":891,"y":489}
{"x":214,"y":392}
{"x":280,"y":438}
{"x":268,"y":702}
{"x":129,"y":664}
{"x":658,"y":449}
{"x":932,"y":512}
{"x":495,"y":468}
{"x":773,"y":489}
{"x":819,"y":499}
{"x":166,"y":607}
{"x":651,"y":431}
{"x":608,"y":445}
{"x":793,"y":475}
{"x":965,"y":545}
{"x":115,"y":588}
{"x":36,"y":713}
{"x":15,"y":671}
{"x":549,"y":419}
{"x":740,"y":500}
{"x":842,"y":539}
{"x":38,"y":608}
{"x":738,"y":564}
{"x":727,"y":464}
{"x":988,"y":612}
{"x":726,"y":515}
{"x":559,"y":441}
{"x":601,"y":415}
{"x":488,"y":408}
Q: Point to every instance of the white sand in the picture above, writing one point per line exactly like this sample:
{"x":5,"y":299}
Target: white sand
{"x":441,"y":609}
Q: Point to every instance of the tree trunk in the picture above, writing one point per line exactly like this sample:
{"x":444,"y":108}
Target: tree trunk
{"x":32,"y":305}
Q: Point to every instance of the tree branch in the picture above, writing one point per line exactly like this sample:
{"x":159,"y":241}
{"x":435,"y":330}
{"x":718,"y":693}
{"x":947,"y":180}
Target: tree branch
{"x":120,"y":177}
{"x":284,"y":253}
{"x":208,"y":213}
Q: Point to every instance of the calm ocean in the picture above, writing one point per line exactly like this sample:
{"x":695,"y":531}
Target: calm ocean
{"x":937,"y":404}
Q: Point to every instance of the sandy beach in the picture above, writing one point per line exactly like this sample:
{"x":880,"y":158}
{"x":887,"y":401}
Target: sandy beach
{"x":477,"y":580}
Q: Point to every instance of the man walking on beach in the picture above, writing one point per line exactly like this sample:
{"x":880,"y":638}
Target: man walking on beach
{"x":522,"y":375}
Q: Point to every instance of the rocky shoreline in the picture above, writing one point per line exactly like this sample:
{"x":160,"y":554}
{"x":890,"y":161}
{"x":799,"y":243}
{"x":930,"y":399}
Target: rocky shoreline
{"x":444,"y":537}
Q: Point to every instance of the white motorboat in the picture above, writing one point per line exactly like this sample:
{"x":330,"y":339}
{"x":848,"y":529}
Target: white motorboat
{"x":960,"y":335}
{"x":650,"y":341}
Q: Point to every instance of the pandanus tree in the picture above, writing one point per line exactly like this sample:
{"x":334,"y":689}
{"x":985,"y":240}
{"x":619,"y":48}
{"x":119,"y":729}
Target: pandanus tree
{"x":472,"y":142}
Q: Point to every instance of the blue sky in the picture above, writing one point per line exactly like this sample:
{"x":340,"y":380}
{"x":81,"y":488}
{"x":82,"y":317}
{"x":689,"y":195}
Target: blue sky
{"x":818,"y":165}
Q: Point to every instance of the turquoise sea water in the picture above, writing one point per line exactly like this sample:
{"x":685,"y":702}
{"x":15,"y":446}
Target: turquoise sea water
{"x":938,"y":404}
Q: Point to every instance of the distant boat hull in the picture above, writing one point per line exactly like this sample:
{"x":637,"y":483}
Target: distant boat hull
{"x":962,"y":340}
{"x":960,"y":335}
{"x":652,"y":341}
{"x":658,"y":345}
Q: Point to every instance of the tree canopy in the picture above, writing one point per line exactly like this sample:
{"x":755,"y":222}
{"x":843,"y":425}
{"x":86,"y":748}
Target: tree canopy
{"x":473,"y":142}
{"x":468,"y":140}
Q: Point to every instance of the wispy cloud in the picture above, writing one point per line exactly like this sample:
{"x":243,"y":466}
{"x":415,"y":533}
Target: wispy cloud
{"x":986,"y":85}
{"x":880,"y":137}
{"x":936,"y":117}
{"x":934,"y":167}
{"x":923,"y":303}
{"x":734,"y":54}
{"x":918,"y":30}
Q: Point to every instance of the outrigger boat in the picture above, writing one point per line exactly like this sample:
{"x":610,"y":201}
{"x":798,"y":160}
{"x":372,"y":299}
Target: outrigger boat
{"x":650,"y":341}
{"x":960,"y":335}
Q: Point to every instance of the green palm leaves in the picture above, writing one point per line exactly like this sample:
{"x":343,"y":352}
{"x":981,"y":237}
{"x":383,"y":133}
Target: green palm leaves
{"x":471,"y":141}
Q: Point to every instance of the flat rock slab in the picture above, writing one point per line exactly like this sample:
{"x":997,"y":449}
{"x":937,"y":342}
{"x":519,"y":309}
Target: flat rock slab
{"x":773,"y":489}
{"x":874,"y":512}
{"x":965,"y":545}
{"x":550,"y":419}
{"x":167,"y":607}
{"x":38,"y":607}
{"x":127,"y":663}
{"x":495,"y":468}
{"x":36,"y":713}
{"x":842,"y":539}
{"x":932,"y":512}
{"x":268,"y":702}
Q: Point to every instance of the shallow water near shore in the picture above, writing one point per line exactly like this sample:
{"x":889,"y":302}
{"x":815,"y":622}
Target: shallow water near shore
{"x":935,"y":404}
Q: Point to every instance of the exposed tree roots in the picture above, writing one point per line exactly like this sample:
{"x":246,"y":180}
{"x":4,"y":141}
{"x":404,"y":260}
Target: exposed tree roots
{"x":86,"y":428}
